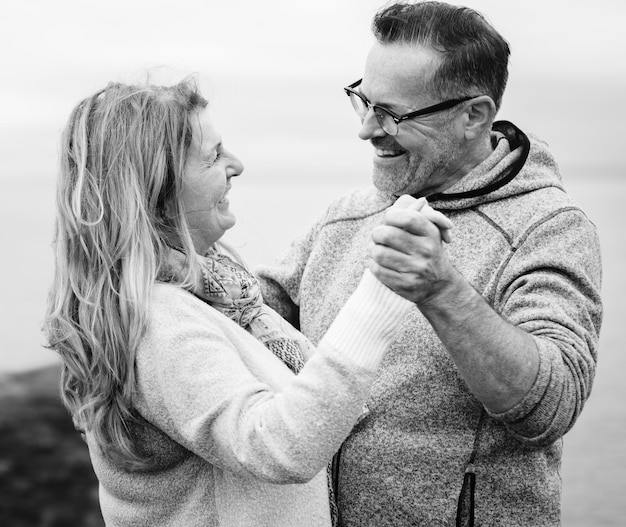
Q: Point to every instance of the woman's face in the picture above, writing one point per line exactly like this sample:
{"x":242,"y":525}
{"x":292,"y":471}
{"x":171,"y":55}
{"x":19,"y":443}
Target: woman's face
{"x":206,"y":182}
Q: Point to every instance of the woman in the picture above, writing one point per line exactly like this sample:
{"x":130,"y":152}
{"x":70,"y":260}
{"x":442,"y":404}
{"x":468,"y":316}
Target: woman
{"x":189,"y":402}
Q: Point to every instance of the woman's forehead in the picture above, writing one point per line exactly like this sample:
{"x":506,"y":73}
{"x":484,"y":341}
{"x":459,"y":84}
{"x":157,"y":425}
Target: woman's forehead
{"x":205,"y":135}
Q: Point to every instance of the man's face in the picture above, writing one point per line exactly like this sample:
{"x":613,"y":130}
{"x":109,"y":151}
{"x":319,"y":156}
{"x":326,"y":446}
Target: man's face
{"x":426,"y":156}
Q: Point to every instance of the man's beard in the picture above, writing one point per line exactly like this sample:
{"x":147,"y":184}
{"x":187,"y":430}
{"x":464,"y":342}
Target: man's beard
{"x":414,"y":174}
{"x":391,"y":179}
{"x":395,"y":180}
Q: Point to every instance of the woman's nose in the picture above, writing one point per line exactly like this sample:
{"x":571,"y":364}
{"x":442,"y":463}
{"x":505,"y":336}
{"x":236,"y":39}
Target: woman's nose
{"x":235,"y":166}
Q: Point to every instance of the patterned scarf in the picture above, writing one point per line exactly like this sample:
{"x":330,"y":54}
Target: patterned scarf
{"x":231,"y":289}
{"x":234,"y":292}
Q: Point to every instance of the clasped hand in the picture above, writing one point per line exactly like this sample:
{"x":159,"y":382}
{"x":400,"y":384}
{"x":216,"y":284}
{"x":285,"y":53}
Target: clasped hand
{"x":408,"y":255}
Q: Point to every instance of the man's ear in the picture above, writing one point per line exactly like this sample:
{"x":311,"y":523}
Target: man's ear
{"x":478,"y":116}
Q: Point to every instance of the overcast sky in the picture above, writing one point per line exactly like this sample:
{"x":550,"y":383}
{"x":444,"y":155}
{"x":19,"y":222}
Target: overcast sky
{"x":278,"y":66}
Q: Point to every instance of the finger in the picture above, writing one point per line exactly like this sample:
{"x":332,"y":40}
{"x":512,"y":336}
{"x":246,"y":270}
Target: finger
{"x":401,"y":240}
{"x":400,"y":283}
{"x":415,"y":256}
{"x":396,"y":260}
{"x":446,"y":236}
{"x":407,"y":201}
{"x":411,"y":221}
{"x":437,"y":217}
{"x":440,"y":220}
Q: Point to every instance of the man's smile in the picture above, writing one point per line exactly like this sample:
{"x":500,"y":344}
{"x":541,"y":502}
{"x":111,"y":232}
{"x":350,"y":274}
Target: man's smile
{"x":386,"y":152}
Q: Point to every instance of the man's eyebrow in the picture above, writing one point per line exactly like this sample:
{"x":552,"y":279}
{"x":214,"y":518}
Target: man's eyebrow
{"x":385,"y":106}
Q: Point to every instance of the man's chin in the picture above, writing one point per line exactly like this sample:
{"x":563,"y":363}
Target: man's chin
{"x":390,"y":184}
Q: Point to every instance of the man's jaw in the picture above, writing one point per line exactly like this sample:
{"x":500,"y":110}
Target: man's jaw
{"x":392,"y":173}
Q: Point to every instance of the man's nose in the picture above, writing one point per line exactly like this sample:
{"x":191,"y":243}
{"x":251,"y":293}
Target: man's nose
{"x":370,"y":127}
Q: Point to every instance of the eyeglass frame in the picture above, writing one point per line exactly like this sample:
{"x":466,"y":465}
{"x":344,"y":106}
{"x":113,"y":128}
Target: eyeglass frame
{"x":444,"y":105}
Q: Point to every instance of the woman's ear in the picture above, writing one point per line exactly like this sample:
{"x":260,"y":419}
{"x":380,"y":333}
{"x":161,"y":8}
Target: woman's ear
{"x":479,"y":116}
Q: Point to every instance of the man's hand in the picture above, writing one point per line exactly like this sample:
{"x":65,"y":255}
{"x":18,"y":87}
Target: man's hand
{"x":408,"y":255}
{"x":498,"y":361}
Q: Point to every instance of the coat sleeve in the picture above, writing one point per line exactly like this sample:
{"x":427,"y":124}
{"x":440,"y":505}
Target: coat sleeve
{"x":551,"y":289}
{"x":220,"y":393}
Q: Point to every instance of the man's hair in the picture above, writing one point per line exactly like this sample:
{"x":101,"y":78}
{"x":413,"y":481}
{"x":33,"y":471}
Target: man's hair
{"x":474,"y":55}
{"x":123,"y":154}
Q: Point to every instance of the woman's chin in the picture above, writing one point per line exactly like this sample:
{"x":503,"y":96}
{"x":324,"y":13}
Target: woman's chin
{"x":227,"y":220}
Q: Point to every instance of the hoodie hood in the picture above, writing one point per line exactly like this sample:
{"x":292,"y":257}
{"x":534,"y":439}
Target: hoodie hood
{"x":518,"y":164}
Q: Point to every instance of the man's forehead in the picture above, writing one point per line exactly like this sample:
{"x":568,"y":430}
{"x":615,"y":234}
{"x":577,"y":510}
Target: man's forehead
{"x":395,"y":73}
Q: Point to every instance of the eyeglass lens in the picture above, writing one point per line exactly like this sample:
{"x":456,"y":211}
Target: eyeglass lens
{"x":385,"y":120}
{"x":359,"y":105}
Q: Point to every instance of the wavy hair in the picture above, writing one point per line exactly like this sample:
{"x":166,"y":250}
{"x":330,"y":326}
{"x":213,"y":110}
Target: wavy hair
{"x":475,"y":55}
{"x":123,"y":153}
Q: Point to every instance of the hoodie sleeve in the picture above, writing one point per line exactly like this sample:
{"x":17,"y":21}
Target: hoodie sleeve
{"x":551,"y":289}
{"x":280,"y":281}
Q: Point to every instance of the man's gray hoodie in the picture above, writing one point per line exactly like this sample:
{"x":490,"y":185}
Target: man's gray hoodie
{"x":531,"y":252}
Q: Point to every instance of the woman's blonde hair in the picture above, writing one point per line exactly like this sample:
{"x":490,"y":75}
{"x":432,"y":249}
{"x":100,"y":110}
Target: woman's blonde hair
{"x":123,"y":153}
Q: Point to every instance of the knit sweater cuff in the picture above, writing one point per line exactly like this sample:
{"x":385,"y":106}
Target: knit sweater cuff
{"x":368,"y":322}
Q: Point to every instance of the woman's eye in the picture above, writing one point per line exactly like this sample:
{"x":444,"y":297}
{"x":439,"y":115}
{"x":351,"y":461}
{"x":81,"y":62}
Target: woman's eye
{"x":213,"y":159}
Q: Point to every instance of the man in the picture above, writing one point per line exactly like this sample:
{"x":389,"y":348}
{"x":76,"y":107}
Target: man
{"x":496,"y":361}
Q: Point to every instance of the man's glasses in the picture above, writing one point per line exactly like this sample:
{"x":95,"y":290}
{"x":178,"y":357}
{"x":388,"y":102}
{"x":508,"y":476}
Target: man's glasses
{"x":388,"y":120}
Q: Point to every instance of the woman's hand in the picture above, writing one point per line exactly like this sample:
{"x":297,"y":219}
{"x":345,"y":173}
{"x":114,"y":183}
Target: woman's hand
{"x":408,"y":254}
{"x":434,"y":216}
